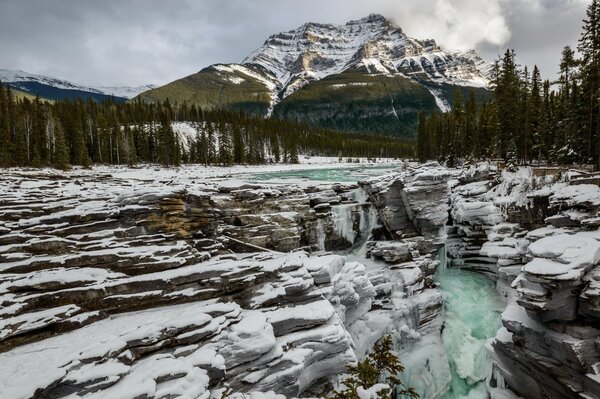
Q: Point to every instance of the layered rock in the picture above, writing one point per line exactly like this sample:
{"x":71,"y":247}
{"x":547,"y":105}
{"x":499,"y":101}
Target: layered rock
{"x":529,"y":234}
{"x":413,"y":208}
{"x":414,"y":202}
{"x":114,"y":287}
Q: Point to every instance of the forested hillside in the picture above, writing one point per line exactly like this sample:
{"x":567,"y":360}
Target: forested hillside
{"x":364,"y":76}
{"x":64,"y":133}
{"x":528,"y":118}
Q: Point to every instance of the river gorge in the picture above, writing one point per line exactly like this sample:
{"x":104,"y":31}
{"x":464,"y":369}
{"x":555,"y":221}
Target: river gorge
{"x":268,"y":284}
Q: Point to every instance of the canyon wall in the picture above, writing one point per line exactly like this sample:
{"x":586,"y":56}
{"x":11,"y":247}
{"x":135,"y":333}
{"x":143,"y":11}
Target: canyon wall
{"x":538,"y":237}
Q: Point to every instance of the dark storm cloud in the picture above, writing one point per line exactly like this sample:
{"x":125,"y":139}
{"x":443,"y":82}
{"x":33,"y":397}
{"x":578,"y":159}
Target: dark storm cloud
{"x":135,"y":42}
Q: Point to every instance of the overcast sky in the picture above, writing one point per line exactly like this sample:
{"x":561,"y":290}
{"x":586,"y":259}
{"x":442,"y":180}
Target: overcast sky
{"x":134,"y":42}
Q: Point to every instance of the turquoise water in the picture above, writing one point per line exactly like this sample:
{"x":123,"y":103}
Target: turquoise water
{"x":473,"y":309}
{"x":348,"y":174}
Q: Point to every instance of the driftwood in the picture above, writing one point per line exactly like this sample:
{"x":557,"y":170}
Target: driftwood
{"x":251,"y":245}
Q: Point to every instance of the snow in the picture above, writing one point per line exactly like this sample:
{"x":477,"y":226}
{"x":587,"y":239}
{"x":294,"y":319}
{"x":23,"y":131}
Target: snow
{"x":373,"y":392}
{"x":12,"y":76}
{"x":57,"y":275}
{"x":319,"y":311}
{"x":27,"y":368}
{"x":563,"y":256}
{"x":34,"y":320}
{"x":373,"y":43}
{"x":576,"y":194}
{"x":440,"y":101}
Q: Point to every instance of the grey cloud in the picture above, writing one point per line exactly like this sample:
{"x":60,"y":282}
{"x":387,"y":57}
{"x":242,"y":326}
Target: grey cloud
{"x":135,"y":42}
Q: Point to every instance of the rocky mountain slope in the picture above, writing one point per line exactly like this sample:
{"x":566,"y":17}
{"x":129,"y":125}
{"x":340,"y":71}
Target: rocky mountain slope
{"x":58,"y":89}
{"x":366,"y":75}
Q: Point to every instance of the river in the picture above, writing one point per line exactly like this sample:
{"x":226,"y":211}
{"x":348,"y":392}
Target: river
{"x":472,"y":308}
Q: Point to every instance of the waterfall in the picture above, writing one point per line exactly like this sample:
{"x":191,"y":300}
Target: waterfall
{"x":368,"y":220}
{"x":344,"y":218}
{"x":443,"y":258}
{"x":320,"y":230}
{"x":344,"y":222}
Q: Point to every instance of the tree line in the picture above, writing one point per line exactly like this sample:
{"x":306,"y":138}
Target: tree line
{"x":38,"y":133}
{"x":527,"y":118}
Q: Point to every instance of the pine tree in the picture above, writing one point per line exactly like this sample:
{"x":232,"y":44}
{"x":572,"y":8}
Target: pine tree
{"x":4,"y":129}
{"x":60,"y":153}
{"x":589,"y":47}
{"x":539,"y":142}
{"x":471,"y":144}
{"x":523,"y":141}
{"x":457,"y":131}
{"x":239,"y":154}
{"x":506,"y":93}
{"x":225,"y":150}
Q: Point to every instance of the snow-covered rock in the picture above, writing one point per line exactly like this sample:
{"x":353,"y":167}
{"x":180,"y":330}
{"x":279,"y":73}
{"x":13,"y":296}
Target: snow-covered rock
{"x":536,"y":239}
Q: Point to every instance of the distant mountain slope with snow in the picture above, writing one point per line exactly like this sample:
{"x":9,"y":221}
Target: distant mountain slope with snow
{"x":366,"y":75}
{"x":58,"y":89}
{"x":373,"y":45}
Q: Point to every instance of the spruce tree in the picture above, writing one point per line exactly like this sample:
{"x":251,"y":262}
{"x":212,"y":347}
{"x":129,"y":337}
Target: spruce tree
{"x":225,"y":150}
{"x":539,"y":143}
{"x":60,"y":153}
{"x":507,"y":104}
{"x":589,"y":47}
{"x":423,"y":142}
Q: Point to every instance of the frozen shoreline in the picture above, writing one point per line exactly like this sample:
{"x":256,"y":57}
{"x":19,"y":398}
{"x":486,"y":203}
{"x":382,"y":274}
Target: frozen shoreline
{"x":226,"y":175}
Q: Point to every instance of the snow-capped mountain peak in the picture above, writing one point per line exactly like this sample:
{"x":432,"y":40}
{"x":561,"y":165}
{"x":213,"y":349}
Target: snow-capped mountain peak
{"x":372,"y":44}
{"x":22,"y":80}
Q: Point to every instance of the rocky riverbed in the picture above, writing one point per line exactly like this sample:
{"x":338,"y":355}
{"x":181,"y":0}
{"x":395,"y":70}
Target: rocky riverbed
{"x":151,"y":284}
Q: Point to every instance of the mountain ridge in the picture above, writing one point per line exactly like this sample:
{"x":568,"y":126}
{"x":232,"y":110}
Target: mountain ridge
{"x":61,"y":88}
{"x":366,"y":75}
{"x":374,"y":43}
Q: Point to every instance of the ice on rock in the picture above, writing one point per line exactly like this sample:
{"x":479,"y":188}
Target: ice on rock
{"x":344,"y":223}
{"x":353,"y":292}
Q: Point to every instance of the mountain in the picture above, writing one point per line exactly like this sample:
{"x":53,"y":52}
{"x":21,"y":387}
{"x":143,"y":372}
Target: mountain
{"x":366,"y":75}
{"x":58,"y":89}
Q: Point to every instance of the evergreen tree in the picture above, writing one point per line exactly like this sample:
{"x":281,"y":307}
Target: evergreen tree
{"x":225,"y":150}
{"x":471,"y":143}
{"x":380,"y":366}
{"x":539,"y":143}
{"x":4,"y":129}
{"x":239,"y":155}
{"x":507,"y":88}
{"x":60,"y":154}
{"x":589,"y":47}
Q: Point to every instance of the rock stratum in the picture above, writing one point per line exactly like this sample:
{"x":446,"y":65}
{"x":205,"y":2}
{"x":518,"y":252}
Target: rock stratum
{"x":122,"y":284}
{"x":535,"y":232}
{"x":116,"y":287}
